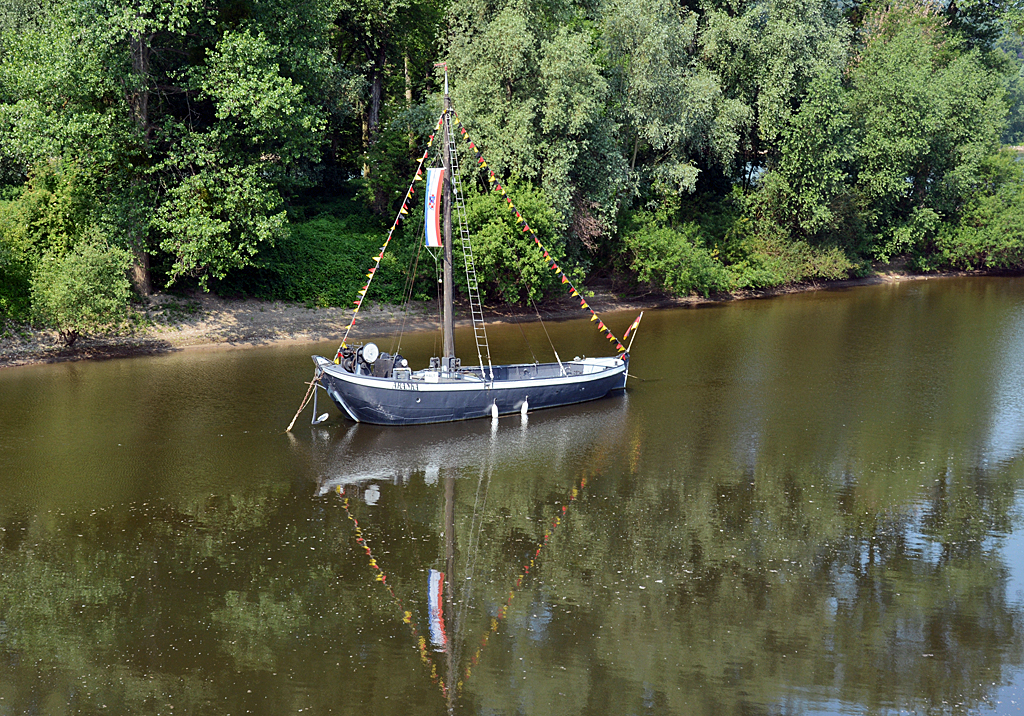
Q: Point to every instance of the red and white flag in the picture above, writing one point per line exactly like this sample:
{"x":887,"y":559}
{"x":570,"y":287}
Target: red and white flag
{"x":432,"y":208}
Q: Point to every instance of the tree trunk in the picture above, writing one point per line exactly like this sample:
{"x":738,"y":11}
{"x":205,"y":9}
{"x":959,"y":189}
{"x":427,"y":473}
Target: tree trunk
{"x":376,"y":94}
{"x":142,"y":50}
{"x":408,"y":103}
{"x":361,"y":110}
{"x":140,"y":276}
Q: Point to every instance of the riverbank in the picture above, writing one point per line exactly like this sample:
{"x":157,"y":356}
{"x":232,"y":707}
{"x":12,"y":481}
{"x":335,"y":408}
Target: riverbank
{"x":173,"y":323}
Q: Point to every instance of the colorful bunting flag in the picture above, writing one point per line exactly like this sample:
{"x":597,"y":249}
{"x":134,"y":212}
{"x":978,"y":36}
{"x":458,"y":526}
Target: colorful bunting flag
{"x":633,"y":326}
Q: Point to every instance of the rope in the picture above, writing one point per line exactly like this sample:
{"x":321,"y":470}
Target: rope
{"x":525,"y":339}
{"x":407,"y":297}
{"x":552,"y":343}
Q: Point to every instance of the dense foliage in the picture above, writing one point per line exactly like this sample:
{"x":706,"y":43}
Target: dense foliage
{"x":263,"y":146}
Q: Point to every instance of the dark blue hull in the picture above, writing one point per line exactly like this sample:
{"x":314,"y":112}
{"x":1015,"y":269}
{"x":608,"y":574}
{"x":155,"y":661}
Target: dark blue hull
{"x":429,"y":398}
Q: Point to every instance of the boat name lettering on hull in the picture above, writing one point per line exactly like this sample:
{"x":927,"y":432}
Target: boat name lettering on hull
{"x":406,"y":386}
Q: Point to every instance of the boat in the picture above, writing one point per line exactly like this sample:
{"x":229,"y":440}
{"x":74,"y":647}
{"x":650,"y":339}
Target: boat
{"x":370,"y":386}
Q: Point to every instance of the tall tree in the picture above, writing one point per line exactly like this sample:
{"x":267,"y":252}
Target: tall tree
{"x":927,"y":119}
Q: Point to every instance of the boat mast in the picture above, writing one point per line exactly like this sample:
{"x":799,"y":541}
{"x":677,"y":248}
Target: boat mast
{"x":448,"y":319}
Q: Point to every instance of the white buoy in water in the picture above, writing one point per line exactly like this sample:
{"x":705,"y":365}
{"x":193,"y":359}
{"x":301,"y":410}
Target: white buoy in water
{"x":494,"y":410}
{"x":526,"y":407}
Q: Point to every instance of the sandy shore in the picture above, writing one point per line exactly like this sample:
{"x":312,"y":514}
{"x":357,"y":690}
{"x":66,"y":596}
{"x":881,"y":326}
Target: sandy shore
{"x":173,"y":323}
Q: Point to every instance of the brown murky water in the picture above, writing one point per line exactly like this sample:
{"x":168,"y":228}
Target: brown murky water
{"x":806,"y":505}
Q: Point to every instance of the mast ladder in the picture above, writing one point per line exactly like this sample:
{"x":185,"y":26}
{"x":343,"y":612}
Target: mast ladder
{"x":472,"y":286}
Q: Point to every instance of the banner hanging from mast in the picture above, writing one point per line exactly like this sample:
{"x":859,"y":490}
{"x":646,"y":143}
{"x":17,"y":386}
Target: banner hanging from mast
{"x":432,"y":208}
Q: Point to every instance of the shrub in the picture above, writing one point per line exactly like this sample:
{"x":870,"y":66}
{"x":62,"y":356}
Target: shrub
{"x":509,"y":265}
{"x":86,"y":290}
{"x":15,"y":271}
{"x":990,"y":233}
{"x":323,"y":262}
{"x":676,"y":259}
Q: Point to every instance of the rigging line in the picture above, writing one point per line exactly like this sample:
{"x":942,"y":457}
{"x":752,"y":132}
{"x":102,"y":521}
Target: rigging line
{"x":440,"y":307}
{"x":407,"y":297}
{"x":527,"y":340}
{"x":380,"y":576}
{"x":560,"y":366}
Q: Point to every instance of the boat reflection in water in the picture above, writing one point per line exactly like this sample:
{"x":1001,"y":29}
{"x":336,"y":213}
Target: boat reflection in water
{"x":463,"y":597}
{"x":360,"y":454}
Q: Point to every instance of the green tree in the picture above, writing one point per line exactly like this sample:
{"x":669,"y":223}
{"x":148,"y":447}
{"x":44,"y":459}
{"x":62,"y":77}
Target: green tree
{"x":766,"y":56}
{"x":528,"y":84}
{"x":189,"y":121}
{"x":83,"y":291}
{"x":926,"y":122}
{"x":670,"y":105}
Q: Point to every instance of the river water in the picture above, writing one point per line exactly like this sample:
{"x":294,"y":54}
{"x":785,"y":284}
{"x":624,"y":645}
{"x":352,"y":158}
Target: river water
{"x":805,"y":505}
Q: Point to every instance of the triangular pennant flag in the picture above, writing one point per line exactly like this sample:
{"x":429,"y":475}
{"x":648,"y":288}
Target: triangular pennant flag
{"x":417,"y":178}
{"x":621,"y":347}
{"x":593,"y":318}
{"x":611,"y":339}
{"x":565,"y":280}
{"x":526,"y":228}
{"x":403,"y":210}
{"x":600,"y":325}
{"x":587,"y":305}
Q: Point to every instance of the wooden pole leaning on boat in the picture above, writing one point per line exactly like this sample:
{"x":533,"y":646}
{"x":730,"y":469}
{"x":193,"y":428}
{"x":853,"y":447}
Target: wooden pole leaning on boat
{"x":312,"y":387}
